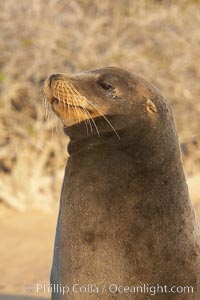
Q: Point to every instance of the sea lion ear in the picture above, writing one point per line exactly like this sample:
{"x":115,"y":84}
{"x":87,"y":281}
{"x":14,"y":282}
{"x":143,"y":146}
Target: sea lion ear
{"x":151,"y":106}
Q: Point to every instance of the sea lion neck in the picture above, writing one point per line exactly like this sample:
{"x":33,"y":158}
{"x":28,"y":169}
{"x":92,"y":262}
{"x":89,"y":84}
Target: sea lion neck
{"x":108,"y":140}
{"x":135,"y":142}
{"x":103,"y":136}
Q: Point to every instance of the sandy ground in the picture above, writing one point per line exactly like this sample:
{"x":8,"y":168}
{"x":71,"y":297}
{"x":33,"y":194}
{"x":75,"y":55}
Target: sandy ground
{"x":25,"y":253}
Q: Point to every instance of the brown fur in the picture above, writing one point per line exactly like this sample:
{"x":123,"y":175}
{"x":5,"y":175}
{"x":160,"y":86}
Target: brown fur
{"x":125,"y":214}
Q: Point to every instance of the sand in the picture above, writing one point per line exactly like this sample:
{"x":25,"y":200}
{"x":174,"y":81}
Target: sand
{"x":26,"y":253}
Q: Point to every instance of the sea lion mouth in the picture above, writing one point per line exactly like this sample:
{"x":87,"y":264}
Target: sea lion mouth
{"x":68,"y":105}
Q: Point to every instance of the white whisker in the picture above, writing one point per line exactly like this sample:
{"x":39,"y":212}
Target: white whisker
{"x":104,"y":118}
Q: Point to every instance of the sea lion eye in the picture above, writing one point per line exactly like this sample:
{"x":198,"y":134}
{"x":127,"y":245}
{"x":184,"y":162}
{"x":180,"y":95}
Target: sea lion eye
{"x":106,"y":86}
{"x":55,"y":101}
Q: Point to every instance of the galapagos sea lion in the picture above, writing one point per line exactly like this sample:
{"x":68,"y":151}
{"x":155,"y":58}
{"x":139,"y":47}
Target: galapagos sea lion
{"x":126,"y":225}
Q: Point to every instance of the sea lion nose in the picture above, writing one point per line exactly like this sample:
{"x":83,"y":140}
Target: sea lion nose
{"x":52,"y":77}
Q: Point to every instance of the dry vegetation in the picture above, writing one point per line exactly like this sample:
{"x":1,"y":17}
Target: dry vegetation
{"x":159,"y":40}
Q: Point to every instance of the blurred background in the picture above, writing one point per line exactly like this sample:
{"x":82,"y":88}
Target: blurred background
{"x":159,"y":40}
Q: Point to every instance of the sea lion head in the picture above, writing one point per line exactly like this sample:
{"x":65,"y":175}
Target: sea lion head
{"x":109,"y":99}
